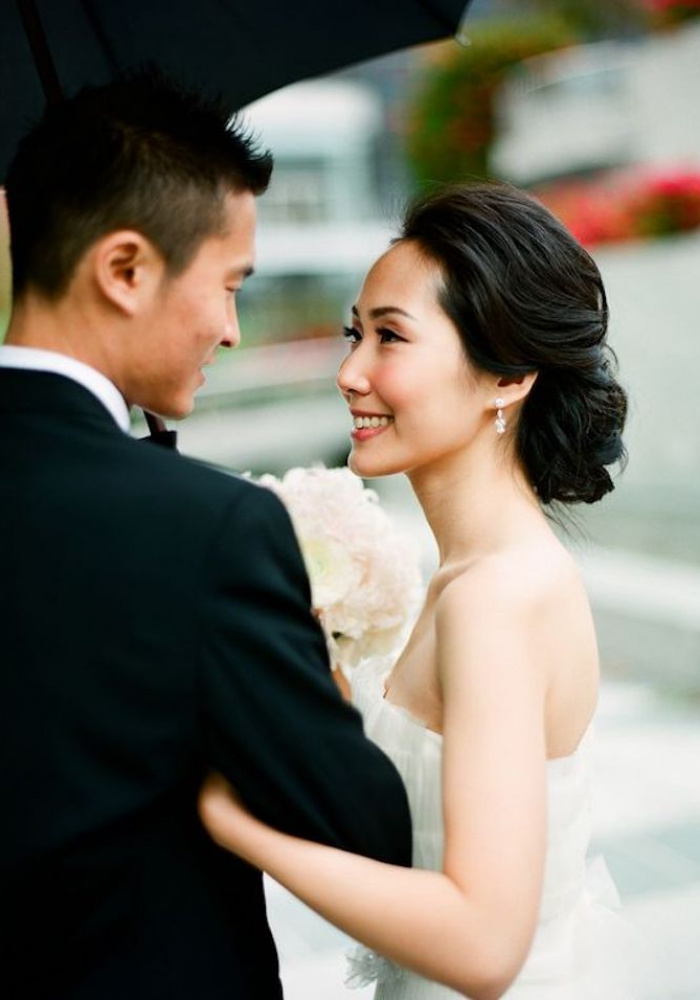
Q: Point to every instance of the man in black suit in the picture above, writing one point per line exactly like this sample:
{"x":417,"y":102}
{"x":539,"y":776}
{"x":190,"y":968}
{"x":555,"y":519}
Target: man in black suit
{"x":154,"y":612}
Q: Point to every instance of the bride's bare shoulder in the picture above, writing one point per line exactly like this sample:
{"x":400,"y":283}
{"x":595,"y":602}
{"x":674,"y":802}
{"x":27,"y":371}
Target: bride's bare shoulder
{"x":538,"y":574}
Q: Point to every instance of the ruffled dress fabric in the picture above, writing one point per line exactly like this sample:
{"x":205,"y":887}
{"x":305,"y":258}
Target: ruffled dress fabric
{"x":582,"y":949}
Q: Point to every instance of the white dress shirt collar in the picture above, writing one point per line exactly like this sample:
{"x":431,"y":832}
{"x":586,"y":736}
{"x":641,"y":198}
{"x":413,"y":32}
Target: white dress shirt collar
{"x":37,"y":359}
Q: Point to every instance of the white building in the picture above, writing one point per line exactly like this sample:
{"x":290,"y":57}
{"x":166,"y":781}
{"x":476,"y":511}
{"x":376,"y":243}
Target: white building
{"x":603,"y":105}
{"x":320,"y":215}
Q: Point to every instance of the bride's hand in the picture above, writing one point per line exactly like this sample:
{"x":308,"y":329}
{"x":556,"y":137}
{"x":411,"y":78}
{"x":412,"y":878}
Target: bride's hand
{"x":342,"y":683}
{"x":225,"y":818}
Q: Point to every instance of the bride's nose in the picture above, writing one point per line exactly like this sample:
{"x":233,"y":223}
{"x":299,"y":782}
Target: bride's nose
{"x":351,"y":377}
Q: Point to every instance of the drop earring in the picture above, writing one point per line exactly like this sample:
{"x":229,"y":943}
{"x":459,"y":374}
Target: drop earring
{"x":500,"y":419}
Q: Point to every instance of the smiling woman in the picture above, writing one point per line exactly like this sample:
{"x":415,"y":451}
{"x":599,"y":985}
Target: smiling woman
{"x":477,"y":366}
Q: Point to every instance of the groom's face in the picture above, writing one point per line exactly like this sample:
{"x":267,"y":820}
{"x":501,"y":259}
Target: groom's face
{"x":190,"y":316}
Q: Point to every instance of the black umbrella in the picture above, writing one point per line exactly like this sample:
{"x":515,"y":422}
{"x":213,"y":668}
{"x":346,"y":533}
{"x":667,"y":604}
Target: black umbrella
{"x":241,"y":49}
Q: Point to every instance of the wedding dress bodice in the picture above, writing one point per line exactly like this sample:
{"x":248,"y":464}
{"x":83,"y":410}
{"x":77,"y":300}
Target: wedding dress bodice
{"x":575,"y":954}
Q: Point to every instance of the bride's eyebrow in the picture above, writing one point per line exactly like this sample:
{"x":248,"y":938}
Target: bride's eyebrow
{"x":380,"y":311}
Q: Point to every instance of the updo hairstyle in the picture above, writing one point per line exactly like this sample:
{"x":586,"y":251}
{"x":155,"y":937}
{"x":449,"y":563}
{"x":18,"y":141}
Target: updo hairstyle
{"x":525,"y":296}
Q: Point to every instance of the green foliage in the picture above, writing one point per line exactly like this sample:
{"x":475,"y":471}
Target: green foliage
{"x":451,"y":126}
{"x":594,"y":19}
{"x":664,"y":14}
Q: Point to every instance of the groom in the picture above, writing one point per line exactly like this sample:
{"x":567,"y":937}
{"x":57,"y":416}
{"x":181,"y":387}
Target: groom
{"x":154,"y":613}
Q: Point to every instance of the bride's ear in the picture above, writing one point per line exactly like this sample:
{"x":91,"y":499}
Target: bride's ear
{"x":515,"y":388}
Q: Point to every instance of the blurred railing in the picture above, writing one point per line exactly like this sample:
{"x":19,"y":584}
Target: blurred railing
{"x":272,"y":372}
{"x":648,"y":615}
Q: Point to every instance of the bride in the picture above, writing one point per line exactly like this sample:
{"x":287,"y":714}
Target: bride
{"x":478,"y":366}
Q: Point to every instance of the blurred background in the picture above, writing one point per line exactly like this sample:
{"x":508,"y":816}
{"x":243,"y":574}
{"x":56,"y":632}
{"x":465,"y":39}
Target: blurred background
{"x":593,"y":107}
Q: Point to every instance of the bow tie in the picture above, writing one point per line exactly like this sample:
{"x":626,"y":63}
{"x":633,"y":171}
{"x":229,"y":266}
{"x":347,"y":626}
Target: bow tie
{"x":159,"y":433}
{"x":166,"y":439}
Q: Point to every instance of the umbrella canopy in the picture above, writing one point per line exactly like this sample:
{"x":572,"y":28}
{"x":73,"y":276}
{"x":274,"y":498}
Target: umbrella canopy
{"x":241,"y":49}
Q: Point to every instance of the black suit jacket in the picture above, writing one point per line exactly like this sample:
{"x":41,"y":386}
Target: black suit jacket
{"x":154,"y":624}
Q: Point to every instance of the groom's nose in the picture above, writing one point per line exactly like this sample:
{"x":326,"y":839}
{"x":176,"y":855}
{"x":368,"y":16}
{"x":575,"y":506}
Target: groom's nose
{"x":232,"y":332}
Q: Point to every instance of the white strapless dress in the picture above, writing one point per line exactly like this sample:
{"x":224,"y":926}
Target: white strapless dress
{"x":581,"y":949}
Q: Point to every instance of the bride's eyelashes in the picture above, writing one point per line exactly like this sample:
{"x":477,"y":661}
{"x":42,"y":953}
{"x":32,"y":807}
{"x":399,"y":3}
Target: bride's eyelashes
{"x":386,"y":336}
{"x":351,"y":335}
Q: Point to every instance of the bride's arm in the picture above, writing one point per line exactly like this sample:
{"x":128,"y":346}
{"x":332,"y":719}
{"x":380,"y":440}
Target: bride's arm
{"x":471,"y":925}
{"x":342,"y":683}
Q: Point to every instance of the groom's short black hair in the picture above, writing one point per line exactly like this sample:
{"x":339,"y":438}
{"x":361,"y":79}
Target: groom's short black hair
{"x":141,"y":153}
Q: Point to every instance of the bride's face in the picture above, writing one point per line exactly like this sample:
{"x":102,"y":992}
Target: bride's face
{"x":414,"y":399}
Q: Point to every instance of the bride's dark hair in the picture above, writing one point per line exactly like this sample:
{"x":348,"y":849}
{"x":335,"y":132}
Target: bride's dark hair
{"x":525,"y":296}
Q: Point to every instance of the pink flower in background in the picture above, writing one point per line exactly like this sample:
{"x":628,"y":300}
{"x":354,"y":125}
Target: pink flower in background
{"x":668,"y":13}
{"x":627,"y":206}
{"x":664,"y":5}
{"x":668,"y":203}
{"x":365,"y":578}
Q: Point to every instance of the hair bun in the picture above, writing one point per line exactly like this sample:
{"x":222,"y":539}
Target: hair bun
{"x":571,"y":432}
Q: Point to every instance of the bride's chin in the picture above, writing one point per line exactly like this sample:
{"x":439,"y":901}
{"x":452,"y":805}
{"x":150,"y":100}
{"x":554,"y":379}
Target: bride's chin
{"x":355,"y":466}
{"x":364,"y":470}
{"x":367,"y":469}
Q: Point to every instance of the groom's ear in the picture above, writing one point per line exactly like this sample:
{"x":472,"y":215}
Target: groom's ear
{"x":127,"y":270}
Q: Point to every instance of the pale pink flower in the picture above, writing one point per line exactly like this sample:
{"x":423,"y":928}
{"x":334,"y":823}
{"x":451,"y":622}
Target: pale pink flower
{"x":364,"y":572}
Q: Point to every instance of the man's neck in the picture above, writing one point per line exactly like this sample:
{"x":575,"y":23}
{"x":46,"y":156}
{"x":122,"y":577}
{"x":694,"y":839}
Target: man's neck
{"x":58,"y":327}
{"x":63,"y":331}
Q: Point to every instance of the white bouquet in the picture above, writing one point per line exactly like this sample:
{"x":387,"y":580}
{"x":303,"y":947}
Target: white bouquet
{"x":364,"y":573}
